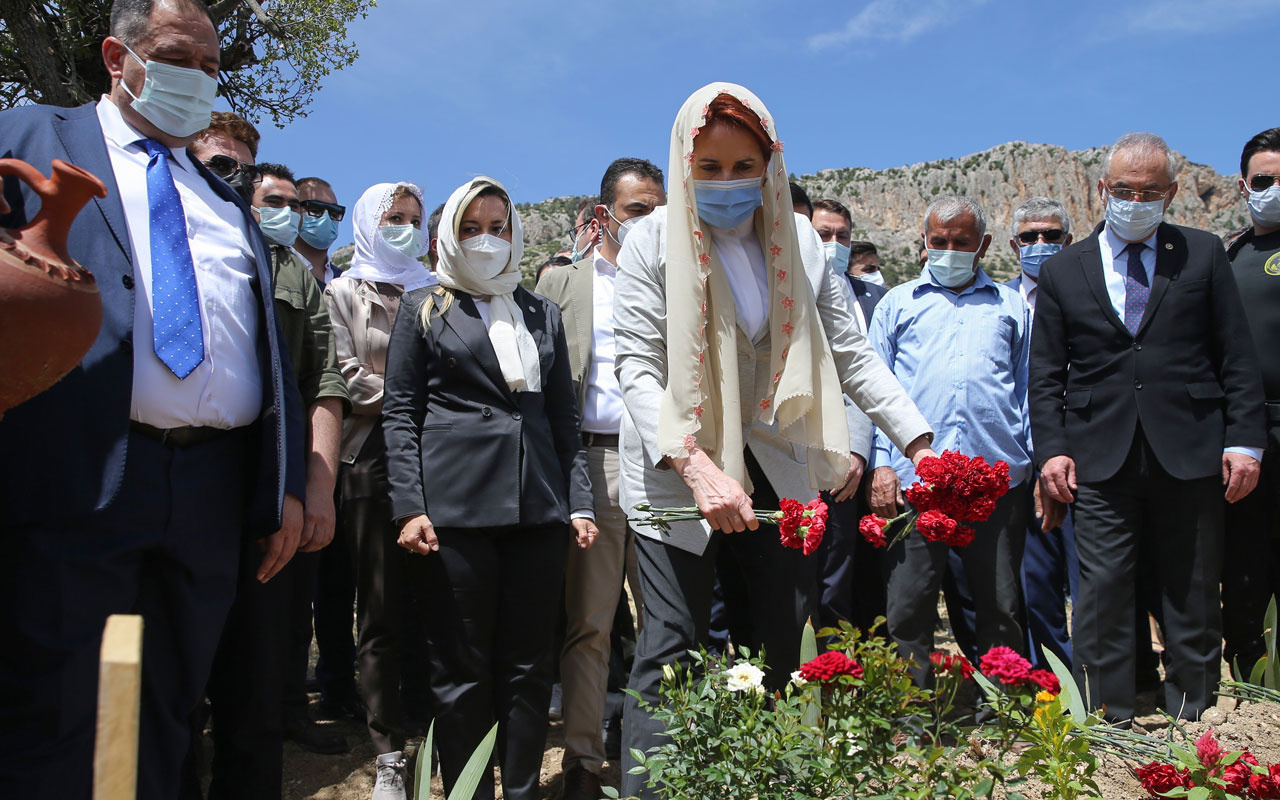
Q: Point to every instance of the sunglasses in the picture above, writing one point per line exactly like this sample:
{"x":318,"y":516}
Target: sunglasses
{"x":1261,"y":183}
{"x":1052,"y":236}
{"x":1138,"y":195}
{"x":316,"y":208}
{"x":226,"y":167}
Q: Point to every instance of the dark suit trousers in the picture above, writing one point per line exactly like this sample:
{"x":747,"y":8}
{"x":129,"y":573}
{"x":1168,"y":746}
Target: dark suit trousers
{"x":915,"y":568}
{"x":334,"y":604}
{"x":1251,"y":561}
{"x":492,"y":598}
{"x":1179,"y":523}
{"x":850,"y":581}
{"x":677,"y":618}
{"x":166,"y":548}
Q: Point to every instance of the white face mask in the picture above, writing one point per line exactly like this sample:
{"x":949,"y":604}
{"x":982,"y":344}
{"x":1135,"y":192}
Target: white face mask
{"x":177,"y":100}
{"x":1264,"y":206}
{"x":405,"y":238}
{"x":487,"y":254}
{"x":876,"y":277}
{"x":1134,"y":220}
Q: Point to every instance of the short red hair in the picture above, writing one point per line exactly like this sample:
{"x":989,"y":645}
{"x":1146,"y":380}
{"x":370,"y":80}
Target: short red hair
{"x":729,"y":110}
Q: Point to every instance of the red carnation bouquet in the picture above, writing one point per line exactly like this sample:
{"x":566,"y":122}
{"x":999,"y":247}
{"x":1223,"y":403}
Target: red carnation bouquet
{"x":801,"y":526}
{"x":951,"y":489}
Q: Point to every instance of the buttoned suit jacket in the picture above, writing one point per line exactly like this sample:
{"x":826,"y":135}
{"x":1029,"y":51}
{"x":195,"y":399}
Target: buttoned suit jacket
{"x":462,"y":447}
{"x":1189,"y":377}
{"x":63,"y":454}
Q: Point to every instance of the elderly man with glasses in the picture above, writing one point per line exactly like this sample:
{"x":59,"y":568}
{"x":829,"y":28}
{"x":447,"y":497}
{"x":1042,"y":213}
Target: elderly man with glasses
{"x":1146,"y":411}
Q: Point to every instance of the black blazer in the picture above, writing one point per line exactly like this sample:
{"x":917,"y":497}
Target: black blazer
{"x":867,"y":295}
{"x":1189,"y":377}
{"x":462,"y":447}
{"x":64,"y":451}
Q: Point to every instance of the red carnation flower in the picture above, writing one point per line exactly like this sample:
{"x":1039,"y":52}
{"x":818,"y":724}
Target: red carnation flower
{"x":1266,"y":787}
{"x":1237,"y":775}
{"x":936,"y":526}
{"x":872,"y":529}
{"x":944,"y":664}
{"x":828,"y":666}
{"x":961,"y":537}
{"x":790,"y":518}
{"x":1159,"y":778}
{"x":817,"y":525}
{"x":1005,"y":665}
{"x":1208,"y":750}
{"x":1046,"y":680}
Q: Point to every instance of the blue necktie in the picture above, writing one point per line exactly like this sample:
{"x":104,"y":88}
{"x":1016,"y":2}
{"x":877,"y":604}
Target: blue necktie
{"x":1136,"y":289}
{"x":175,"y":303}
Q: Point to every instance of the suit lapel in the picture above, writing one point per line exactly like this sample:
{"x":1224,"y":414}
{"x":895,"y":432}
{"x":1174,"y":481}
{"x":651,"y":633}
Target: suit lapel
{"x":1091,"y":264}
{"x":81,"y":137}
{"x":580,"y":290}
{"x":1171,"y":254}
{"x":464,"y":318}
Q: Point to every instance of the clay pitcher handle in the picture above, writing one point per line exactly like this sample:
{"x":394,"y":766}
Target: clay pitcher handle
{"x":62,"y":196}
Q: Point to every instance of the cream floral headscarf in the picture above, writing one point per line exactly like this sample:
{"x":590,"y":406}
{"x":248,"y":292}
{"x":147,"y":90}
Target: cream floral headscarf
{"x":701,"y":405}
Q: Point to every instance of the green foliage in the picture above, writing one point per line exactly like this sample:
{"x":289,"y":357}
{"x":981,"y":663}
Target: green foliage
{"x":275,"y":53}
{"x":470,"y":776}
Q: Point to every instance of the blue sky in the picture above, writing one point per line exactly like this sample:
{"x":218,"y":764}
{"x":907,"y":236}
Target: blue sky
{"x":543,"y":96}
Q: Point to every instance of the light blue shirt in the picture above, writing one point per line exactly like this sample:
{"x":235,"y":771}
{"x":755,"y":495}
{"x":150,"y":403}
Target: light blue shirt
{"x":962,"y":357}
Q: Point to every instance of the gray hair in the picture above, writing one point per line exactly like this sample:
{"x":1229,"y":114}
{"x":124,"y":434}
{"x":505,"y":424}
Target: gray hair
{"x":1145,"y":142}
{"x":130,"y":19}
{"x":949,"y":207}
{"x":1040,"y":208}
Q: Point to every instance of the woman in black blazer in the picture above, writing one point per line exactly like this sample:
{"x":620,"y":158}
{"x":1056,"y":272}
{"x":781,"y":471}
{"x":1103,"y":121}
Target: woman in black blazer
{"x":487,"y":469}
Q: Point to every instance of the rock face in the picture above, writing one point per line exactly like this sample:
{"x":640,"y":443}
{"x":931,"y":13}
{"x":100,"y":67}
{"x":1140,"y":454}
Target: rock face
{"x":888,"y":205}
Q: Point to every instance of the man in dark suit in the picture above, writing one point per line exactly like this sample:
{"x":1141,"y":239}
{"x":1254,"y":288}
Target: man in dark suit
{"x":129,"y":486}
{"x":1145,"y":401}
{"x":850,"y":583}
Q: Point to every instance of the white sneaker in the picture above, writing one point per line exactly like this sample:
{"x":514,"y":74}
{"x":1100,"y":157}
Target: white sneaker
{"x":391,"y":777}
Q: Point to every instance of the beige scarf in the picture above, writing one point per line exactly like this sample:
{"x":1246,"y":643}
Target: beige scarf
{"x":701,"y":404}
{"x":517,"y":352}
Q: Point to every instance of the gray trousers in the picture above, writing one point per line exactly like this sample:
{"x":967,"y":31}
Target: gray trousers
{"x":592,"y":583}
{"x":1178,"y":522}
{"x":992,"y":562}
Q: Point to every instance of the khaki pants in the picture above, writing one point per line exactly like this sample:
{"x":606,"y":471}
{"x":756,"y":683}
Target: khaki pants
{"x":593,"y":581}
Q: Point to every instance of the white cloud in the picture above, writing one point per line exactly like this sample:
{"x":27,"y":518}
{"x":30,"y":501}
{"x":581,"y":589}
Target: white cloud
{"x":892,"y":20}
{"x":1194,"y":16}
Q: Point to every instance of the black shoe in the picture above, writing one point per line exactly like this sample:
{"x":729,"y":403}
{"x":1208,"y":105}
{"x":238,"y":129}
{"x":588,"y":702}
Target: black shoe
{"x":349,"y":709}
{"x":581,"y":784}
{"x":301,"y":729}
{"x":611,"y":731}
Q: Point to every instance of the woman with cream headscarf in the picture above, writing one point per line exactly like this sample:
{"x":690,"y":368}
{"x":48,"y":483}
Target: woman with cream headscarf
{"x":487,"y":468}
{"x":734,"y":344}
{"x":387,"y":221}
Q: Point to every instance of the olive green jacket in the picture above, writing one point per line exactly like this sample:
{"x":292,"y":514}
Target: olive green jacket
{"x":304,"y":318}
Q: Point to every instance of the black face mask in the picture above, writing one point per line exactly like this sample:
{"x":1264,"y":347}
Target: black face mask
{"x":243,"y":184}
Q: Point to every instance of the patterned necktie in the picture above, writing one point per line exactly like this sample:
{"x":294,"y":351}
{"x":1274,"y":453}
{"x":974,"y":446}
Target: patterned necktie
{"x":175,"y":303}
{"x":1136,"y":288}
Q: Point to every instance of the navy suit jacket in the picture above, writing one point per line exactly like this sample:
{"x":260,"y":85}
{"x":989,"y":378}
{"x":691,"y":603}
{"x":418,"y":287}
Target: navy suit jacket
{"x":867,"y":295}
{"x":63,"y":453}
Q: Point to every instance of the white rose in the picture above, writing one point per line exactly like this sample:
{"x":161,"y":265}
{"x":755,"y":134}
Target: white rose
{"x":797,"y":679}
{"x":668,"y":674}
{"x":744,"y":677}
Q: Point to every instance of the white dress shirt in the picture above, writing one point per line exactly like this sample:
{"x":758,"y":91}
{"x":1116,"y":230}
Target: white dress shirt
{"x":225,"y":390}
{"x":1027,"y":288}
{"x":602,"y":411}
{"x":1115,"y":266}
{"x":743,"y":259}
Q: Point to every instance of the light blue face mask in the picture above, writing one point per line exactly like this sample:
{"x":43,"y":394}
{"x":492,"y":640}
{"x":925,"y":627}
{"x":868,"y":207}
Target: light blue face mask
{"x":1134,"y":220}
{"x":177,"y":100}
{"x":319,"y":232}
{"x":727,"y":204}
{"x":1033,"y":255}
{"x":837,"y":257}
{"x":280,"y":225}
{"x":952,"y":268}
{"x":405,"y":238}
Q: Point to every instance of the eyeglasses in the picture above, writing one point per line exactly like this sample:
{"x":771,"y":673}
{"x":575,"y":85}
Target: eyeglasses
{"x":1260,"y":183}
{"x":226,"y":167}
{"x":1138,"y":195}
{"x":1052,"y":236}
{"x":317,"y":208}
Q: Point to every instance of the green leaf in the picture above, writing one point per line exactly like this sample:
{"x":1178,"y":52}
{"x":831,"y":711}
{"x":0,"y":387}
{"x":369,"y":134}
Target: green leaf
{"x":1199,"y":793}
{"x":422,"y":772}
{"x":476,"y":766}
{"x":1074,"y":701}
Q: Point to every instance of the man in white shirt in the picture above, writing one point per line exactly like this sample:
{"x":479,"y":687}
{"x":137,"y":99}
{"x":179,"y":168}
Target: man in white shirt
{"x":129,"y":486}
{"x":631,"y":189}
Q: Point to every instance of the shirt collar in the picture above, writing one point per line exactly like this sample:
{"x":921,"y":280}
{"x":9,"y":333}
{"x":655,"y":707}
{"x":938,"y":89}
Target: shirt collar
{"x":123,"y":135}
{"x":603,"y":265}
{"x":926,"y":282}
{"x":1118,"y":245}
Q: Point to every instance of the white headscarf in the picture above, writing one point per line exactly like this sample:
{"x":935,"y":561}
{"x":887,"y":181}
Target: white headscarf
{"x":517,"y":352}
{"x":701,"y":405}
{"x":374,"y":258}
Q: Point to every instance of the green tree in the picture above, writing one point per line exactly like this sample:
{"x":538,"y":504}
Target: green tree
{"x":275,"y":53}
